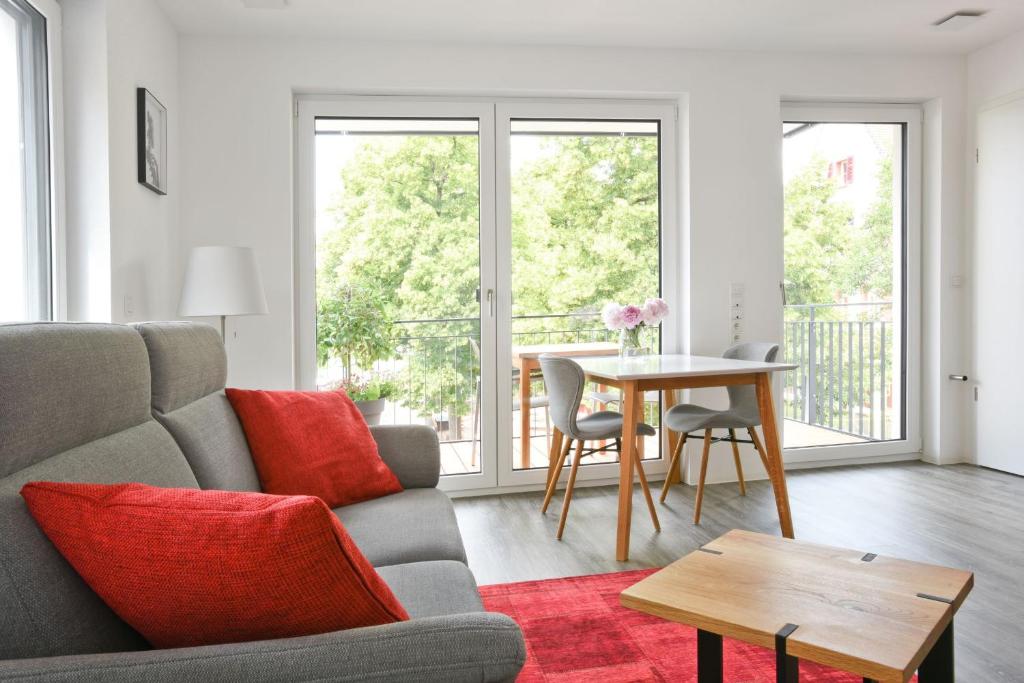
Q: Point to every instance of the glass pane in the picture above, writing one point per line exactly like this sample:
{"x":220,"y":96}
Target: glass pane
{"x":24,"y":165}
{"x":844,"y":282}
{"x":398,"y":273}
{"x":585,"y":232}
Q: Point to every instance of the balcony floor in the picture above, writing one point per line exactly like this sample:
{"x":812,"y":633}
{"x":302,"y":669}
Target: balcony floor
{"x":456,"y":456}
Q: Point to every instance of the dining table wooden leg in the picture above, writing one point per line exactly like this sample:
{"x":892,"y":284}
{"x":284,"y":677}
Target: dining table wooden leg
{"x":526,"y":369}
{"x":773,"y":449}
{"x":629,"y":421}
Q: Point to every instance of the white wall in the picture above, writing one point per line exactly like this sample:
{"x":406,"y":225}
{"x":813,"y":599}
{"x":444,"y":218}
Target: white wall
{"x":143,"y":52}
{"x":122,"y":238}
{"x":993,"y":72}
{"x":86,"y":159}
{"x":237,"y":161}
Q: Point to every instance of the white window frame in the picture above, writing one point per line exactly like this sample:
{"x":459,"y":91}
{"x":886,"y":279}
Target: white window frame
{"x":309,"y":108}
{"x":670,"y":233}
{"x":911,"y":116}
{"x":496,"y":473}
{"x":57,"y":285}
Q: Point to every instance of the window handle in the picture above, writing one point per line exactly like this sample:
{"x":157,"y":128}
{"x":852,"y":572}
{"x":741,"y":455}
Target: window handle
{"x":490,"y":302}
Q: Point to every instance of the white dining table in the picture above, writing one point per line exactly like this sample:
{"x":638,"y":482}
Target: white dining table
{"x":634,"y":375}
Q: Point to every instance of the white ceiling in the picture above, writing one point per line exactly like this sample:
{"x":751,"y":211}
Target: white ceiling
{"x":890,"y":26}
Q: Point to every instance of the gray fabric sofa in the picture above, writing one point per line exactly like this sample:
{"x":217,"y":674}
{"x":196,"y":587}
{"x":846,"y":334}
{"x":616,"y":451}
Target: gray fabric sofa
{"x":111,"y":403}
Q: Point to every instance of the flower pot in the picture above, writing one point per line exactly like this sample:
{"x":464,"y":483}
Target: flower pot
{"x":372,"y":410}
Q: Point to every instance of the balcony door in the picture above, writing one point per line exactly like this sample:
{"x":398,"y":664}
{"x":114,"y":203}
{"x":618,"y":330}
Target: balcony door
{"x":396,"y":273}
{"x":582,"y":200}
{"x":850,"y":294}
{"x":437,"y":237}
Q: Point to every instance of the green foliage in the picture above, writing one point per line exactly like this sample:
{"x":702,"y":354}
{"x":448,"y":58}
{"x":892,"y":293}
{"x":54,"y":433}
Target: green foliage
{"x":869,"y":264}
{"x":584,"y":231}
{"x":353,"y":324}
{"x":361,"y":388}
{"x":817,"y":236}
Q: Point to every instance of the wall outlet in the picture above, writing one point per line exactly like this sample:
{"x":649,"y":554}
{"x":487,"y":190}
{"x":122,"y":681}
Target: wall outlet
{"x":736,"y":312}
{"x":129,"y":305}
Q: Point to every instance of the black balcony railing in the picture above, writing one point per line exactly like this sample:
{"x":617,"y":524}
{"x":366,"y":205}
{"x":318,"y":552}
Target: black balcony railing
{"x":437,"y":364}
{"x":844,"y":381}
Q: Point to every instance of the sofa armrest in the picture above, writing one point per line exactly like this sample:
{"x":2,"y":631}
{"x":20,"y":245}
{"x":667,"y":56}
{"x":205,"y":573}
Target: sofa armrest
{"x":412,"y":452}
{"x":481,"y":646}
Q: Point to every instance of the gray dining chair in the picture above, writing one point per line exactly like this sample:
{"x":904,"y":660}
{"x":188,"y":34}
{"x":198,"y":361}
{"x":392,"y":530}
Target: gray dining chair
{"x":742,"y":413}
{"x":565,"y":383}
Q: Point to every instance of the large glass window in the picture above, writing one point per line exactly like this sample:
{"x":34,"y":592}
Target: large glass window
{"x":25,"y":225}
{"x":585,"y":231}
{"x":845,"y":310}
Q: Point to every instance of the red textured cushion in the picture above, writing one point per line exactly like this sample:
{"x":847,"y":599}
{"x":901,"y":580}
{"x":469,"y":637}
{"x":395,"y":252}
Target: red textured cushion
{"x":312,"y":443}
{"x":187,"y":567}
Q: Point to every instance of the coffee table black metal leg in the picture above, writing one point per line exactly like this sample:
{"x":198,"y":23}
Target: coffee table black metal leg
{"x":937,"y":666}
{"x":787,"y":667}
{"x":709,"y":657}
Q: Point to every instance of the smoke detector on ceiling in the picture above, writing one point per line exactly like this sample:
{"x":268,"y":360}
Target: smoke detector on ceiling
{"x":265,"y":4}
{"x":959,"y":20}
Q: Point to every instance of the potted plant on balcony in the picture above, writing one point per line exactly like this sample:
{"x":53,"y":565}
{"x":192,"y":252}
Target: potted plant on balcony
{"x":354,"y":326}
{"x":370,"y":395}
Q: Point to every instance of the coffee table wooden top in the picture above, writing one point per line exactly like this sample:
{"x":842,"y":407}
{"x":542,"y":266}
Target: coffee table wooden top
{"x":857,"y":612}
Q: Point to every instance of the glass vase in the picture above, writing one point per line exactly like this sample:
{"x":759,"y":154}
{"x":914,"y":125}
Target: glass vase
{"x":629,"y":343}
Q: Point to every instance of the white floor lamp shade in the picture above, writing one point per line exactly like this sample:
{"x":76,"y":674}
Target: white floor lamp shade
{"x":222,"y":281}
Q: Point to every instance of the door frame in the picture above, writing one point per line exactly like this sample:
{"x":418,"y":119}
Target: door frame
{"x":666,"y":114}
{"x":308,"y":108}
{"x":911,"y":117}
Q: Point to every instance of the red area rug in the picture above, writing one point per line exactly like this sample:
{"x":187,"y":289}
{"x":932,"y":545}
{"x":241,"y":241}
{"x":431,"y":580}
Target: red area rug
{"x":577,"y":631}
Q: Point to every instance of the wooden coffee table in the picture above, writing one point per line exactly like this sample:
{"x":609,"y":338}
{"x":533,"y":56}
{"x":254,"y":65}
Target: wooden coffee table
{"x":873,"y":616}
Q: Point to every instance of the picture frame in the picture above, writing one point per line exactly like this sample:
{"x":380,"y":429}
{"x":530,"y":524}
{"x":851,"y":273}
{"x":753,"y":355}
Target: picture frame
{"x":151,"y":142}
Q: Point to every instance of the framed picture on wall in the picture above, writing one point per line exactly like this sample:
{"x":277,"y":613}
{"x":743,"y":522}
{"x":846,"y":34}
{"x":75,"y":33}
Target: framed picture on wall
{"x":151,"y":128}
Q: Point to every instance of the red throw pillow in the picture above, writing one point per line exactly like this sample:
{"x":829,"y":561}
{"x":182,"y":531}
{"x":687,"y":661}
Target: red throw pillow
{"x":312,"y":443}
{"x":187,"y":567}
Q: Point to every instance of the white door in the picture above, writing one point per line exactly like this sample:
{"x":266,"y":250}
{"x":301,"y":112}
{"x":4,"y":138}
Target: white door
{"x":999,"y":243}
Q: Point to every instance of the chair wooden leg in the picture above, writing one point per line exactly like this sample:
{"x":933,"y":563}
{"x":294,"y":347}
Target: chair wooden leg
{"x":638,"y":463}
{"x":736,"y":459}
{"x":703,"y":475}
{"x":568,"y":488}
{"x":760,"y":450}
{"x":476,"y":425}
{"x":680,"y":442}
{"x":556,"y":471}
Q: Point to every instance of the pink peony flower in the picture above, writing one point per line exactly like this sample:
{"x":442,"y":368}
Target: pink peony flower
{"x":611,"y":314}
{"x":632,"y":316}
{"x":655,"y":310}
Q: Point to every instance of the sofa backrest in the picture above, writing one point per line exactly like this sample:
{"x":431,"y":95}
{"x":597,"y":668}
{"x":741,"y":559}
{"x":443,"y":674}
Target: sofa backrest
{"x":74,"y":406}
{"x":189,"y":368}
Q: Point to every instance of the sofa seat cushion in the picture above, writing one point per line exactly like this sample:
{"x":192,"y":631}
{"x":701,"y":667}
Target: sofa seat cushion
{"x":416,"y":525}
{"x":433,"y":589}
{"x":188,"y":567}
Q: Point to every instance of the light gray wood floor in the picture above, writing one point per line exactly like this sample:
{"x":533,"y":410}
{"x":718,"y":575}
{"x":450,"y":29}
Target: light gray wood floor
{"x":958,"y":515}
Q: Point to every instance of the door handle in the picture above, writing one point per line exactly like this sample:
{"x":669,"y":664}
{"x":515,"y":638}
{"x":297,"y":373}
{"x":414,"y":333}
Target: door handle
{"x":959,"y":378}
{"x":490,"y":302}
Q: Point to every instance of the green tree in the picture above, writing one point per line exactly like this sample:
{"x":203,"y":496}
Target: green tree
{"x":817,"y":240}
{"x":585,"y":231}
{"x":869,"y":261}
